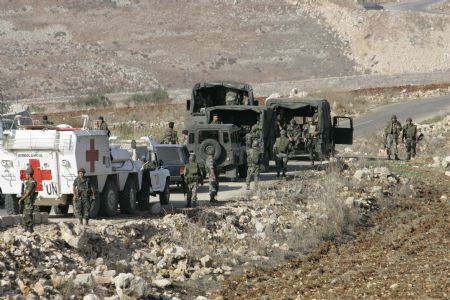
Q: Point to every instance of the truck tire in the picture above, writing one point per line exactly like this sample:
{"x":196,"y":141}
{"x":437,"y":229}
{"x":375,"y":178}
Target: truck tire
{"x":164,"y":196}
{"x":242,"y":171}
{"x":11,"y":204}
{"x":128,"y":197}
{"x":210,"y":143}
{"x":61,"y":209}
{"x":95,"y":206}
{"x":109,"y":199}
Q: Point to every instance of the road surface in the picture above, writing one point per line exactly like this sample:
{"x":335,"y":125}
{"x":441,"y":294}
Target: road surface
{"x":374,"y":120}
{"x":418,"y":110}
{"x":422,"y":5}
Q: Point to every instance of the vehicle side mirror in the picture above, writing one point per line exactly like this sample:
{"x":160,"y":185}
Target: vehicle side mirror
{"x":188,"y":104}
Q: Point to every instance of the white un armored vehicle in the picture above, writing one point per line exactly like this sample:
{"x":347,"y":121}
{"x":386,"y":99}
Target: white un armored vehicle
{"x":56,"y":154}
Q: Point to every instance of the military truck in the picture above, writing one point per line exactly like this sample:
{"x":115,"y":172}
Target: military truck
{"x":332,"y":131}
{"x":216,"y":93}
{"x":225,"y":139}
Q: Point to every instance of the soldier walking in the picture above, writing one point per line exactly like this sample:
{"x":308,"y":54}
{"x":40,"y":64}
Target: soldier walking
{"x":253,"y":164}
{"x":27,"y":201}
{"x":192,"y":176}
{"x":409,"y":137}
{"x":83,"y":195}
{"x":391,"y":134}
{"x":170,"y":136}
{"x":281,"y":151}
{"x":213,"y":176}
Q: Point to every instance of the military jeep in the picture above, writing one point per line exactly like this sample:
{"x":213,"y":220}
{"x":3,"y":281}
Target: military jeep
{"x":229,"y":152}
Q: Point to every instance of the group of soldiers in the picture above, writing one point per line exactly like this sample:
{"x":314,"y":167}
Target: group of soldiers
{"x":409,"y":133}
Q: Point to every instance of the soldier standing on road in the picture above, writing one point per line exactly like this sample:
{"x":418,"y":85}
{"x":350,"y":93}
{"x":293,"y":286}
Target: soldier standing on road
{"x":281,"y":151}
{"x":170,"y":136}
{"x":192,"y":176}
{"x":253,"y":164}
{"x":83,"y":195}
{"x":409,"y":137}
{"x":103,"y":126}
{"x":213,"y":176}
{"x":184,"y":137}
{"x":391,"y":134}
{"x":27,"y":201}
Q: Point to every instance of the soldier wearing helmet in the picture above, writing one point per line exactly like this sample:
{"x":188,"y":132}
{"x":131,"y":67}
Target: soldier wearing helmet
{"x":213,"y":176}
{"x":83,"y":196}
{"x":253,"y":135}
{"x":27,"y":200}
{"x":192,"y":177}
{"x":391,"y":134}
{"x":253,"y":164}
{"x":409,"y":137}
{"x":293,"y":133}
{"x":281,"y":151}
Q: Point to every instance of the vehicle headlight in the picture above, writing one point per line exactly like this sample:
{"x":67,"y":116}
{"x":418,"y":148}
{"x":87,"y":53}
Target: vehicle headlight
{"x":7,"y":164}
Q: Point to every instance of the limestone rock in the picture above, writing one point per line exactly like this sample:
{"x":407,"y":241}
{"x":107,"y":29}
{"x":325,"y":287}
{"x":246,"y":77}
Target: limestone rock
{"x":206,"y":261}
{"x":162,"y":283}
{"x":129,"y":285}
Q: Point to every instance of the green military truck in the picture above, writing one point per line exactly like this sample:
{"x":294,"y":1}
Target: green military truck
{"x":229,"y":152}
{"x":216,"y":93}
{"x":309,"y":110}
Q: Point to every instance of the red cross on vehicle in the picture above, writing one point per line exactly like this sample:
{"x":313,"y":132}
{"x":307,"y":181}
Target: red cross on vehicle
{"x":92,"y":155}
{"x":39,"y":175}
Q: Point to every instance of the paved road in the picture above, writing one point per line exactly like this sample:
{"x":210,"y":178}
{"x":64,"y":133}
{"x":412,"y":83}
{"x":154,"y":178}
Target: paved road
{"x":422,"y":5}
{"x":418,"y":110}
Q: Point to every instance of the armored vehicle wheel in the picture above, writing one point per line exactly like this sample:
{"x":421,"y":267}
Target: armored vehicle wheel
{"x":206,"y":145}
{"x":46,"y":209}
{"x":95,"y":206}
{"x":242,"y":171}
{"x":128,"y":197}
{"x":61,"y":209}
{"x":164,"y":196}
{"x":109,"y":199}
{"x":11,"y":204}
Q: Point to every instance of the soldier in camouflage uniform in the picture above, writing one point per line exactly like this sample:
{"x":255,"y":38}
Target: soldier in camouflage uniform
{"x":253,"y":135}
{"x":184,"y":137}
{"x":293,"y":134}
{"x":83,"y":195}
{"x":46,"y":121}
{"x":310,"y":136}
{"x":281,"y":151}
{"x":253,"y":164}
{"x":192,"y":176}
{"x":170,"y":136}
{"x":213,"y":176}
{"x":215,"y":119}
{"x":103,"y":126}
{"x":391,"y":134}
{"x":27,"y":201}
{"x":409,"y":137}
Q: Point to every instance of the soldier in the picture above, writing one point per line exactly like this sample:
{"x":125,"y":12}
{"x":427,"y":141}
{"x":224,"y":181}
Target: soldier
{"x":316,"y":116}
{"x":45,"y":120}
{"x":281,"y":151}
{"x":213,"y":176}
{"x":103,"y":126}
{"x":391,"y":133}
{"x":409,"y":137}
{"x":147,"y":167}
{"x":170,"y":136}
{"x":293,"y":134}
{"x":310,"y":134}
{"x":253,"y":164}
{"x":192,"y":176}
{"x":83,"y":195}
{"x":253,"y":135}
{"x":27,"y":200}
{"x":231,"y":98}
{"x":215,"y":119}
{"x":184,"y":137}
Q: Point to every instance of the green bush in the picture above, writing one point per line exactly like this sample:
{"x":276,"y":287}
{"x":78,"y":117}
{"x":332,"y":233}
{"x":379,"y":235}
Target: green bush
{"x":37,"y":108}
{"x":92,"y":101}
{"x":156,"y":96}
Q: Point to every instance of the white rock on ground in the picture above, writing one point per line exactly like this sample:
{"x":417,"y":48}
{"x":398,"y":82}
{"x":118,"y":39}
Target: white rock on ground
{"x":162,"y":283}
{"x":128,"y":285}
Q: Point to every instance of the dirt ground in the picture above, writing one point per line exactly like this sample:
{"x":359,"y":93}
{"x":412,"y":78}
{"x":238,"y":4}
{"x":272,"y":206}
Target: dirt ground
{"x":402,"y":253}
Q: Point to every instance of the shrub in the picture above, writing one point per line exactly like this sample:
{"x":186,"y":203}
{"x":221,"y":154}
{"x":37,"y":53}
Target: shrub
{"x":156,"y":96}
{"x":92,"y":101}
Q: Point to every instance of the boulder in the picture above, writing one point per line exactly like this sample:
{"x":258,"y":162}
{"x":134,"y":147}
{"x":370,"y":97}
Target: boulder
{"x":128,"y":285}
{"x":362,"y":174}
{"x":381,"y":172}
{"x":175,"y":252}
{"x":206,"y":261}
{"x":86,"y":280}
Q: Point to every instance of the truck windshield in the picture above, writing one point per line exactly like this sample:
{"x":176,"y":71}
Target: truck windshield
{"x":208,"y":134}
{"x":169,"y":155}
